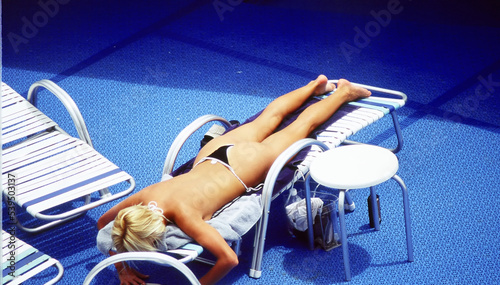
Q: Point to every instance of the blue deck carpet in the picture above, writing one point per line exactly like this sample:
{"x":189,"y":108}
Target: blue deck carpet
{"x":142,"y":70}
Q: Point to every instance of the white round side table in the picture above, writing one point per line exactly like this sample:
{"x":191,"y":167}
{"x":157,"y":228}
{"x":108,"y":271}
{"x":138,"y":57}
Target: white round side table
{"x":354,"y":167}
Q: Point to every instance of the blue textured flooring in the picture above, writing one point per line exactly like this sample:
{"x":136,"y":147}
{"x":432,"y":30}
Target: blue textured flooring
{"x":141,"y":71}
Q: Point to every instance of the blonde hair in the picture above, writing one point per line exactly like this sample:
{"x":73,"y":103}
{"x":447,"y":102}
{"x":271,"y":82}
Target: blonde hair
{"x":138,"y":228}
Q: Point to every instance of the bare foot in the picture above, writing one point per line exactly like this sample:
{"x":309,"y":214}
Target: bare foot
{"x":352,"y":92}
{"x":322,"y":86}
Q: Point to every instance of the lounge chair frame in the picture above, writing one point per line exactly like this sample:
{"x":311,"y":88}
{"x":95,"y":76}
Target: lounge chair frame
{"x":156,"y":257}
{"x":267,"y":193}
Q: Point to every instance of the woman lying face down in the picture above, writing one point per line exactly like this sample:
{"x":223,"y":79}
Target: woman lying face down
{"x":225,"y":168}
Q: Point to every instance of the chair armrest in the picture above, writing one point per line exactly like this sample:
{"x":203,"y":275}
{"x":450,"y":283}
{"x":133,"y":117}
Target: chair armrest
{"x":157,"y":257}
{"x":267,"y":197}
{"x":377,"y":89}
{"x":281,"y":161}
{"x":184,"y":135}
{"x":189,"y":252}
{"x":68,"y":103}
{"x":397,"y":127}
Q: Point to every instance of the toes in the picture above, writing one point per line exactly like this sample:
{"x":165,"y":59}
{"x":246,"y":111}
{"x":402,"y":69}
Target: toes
{"x":321,"y":79}
{"x":343,"y":82}
{"x":329,"y":87}
{"x":322,"y":85}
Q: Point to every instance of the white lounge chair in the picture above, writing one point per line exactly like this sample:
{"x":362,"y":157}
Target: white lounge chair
{"x":44,"y":169}
{"x":20,"y":261}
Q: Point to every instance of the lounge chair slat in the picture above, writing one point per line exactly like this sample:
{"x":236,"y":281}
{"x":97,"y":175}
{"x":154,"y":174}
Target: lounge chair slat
{"x":25,"y":265}
{"x":366,"y":114}
{"x":76,"y":192}
{"x":350,"y":117}
{"x":59,"y":179}
{"x":53,"y":164}
{"x":27,"y":143}
{"x":368,"y":111}
{"x":14,"y":109}
{"x":29,"y":262}
{"x":21,"y":252}
{"x":27,"y":156}
{"x":44,"y":187}
{"x":370,"y":106}
{"x":26,"y":131}
{"x":58,"y":164}
{"x":50,"y":262}
{"x":397,"y":103}
{"x":20,"y":118}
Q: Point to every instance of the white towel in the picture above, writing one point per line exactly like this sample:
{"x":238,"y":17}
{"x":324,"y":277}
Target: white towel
{"x":297,"y":212}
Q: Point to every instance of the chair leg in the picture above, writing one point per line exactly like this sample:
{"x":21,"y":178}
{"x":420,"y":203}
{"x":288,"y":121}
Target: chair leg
{"x":406,"y":205}
{"x":349,"y":203}
{"x":310,"y":233}
{"x":343,"y":231}
{"x":44,"y":226}
{"x":374,"y":208}
{"x":259,"y":241}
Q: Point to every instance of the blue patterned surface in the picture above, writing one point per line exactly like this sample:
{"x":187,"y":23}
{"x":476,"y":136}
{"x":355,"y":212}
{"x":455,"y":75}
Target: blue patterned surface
{"x":141,"y":71}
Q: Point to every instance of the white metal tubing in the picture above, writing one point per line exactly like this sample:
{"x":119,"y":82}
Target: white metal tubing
{"x":267,"y":192}
{"x":157,"y":257}
{"x":89,"y":206}
{"x":393,"y":113}
{"x":406,"y":205}
{"x":60,"y":273}
{"x":61,"y":218}
{"x":184,"y":135}
{"x":47,"y":225}
{"x":68,"y":103}
{"x":399,"y":134}
{"x":343,"y":235}
{"x":376,"y":89}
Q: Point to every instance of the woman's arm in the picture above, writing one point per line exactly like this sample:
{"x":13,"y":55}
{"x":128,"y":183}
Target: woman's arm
{"x":210,"y":239}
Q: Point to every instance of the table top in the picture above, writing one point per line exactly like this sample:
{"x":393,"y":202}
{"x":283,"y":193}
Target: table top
{"x":354,"y":166}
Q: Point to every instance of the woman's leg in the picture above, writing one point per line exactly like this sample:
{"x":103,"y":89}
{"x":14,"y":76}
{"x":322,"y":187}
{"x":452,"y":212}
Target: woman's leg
{"x":313,"y":116}
{"x":271,"y":117}
{"x":273,"y":114}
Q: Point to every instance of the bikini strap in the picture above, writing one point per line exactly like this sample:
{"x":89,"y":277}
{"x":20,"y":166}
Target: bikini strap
{"x":248,"y":190}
